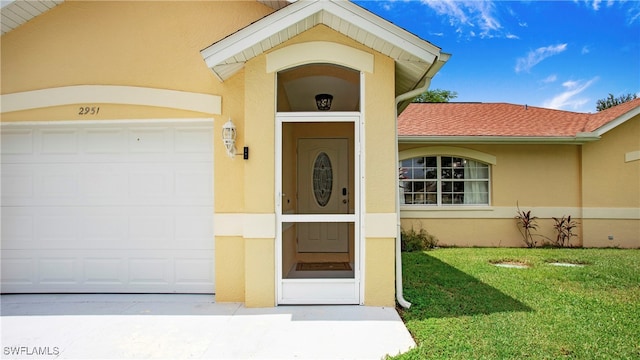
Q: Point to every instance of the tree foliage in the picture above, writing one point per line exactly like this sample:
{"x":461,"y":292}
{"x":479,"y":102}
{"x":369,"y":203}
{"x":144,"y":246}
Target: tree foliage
{"x":435,"y":96}
{"x":612,"y":101}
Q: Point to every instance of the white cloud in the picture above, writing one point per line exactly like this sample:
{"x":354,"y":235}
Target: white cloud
{"x":473,"y":14}
{"x":549,"y":79}
{"x":585,"y":50}
{"x":537,"y":55}
{"x":632,"y":8}
{"x":570,"y":98}
{"x":512,"y":36}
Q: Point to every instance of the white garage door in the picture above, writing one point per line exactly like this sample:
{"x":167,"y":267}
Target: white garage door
{"x":117,"y":206}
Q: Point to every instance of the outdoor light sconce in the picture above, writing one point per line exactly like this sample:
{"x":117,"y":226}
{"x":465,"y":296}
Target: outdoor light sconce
{"x":229,"y":137}
{"x":323,"y":101}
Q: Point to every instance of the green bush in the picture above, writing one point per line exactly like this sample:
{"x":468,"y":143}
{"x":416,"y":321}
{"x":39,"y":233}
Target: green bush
{"x":412,"y":240}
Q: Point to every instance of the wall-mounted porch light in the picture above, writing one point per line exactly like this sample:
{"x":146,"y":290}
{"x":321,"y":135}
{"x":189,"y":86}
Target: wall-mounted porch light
{"x":229,"y":137}
{"x":323,"y":101}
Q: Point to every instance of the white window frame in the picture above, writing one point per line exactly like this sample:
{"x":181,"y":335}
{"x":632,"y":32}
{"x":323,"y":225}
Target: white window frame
{"x":439,"y":181}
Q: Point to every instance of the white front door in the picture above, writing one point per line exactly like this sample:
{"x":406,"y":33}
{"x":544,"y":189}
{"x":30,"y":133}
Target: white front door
{"x":323,"y":189}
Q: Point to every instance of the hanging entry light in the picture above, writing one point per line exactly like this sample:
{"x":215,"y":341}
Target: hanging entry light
{"x":323,"y":101}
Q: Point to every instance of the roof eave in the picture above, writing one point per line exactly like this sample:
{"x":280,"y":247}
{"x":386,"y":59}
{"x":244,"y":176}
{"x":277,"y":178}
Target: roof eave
{"x":220,"y":54}
{"x":617,"y":121}
{"x":579,"y":139}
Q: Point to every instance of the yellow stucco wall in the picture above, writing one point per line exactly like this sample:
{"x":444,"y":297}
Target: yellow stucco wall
{"x":230,"y":268}
{"x":609,"y":181}
{"x":611,"y":188}
{"x":543,"y":178}
{"x":379,"y":272}
{"x":259,"y":273}
{"x":117,"y":43}
{"x":591,"y":182}
{"x":259,"y":116}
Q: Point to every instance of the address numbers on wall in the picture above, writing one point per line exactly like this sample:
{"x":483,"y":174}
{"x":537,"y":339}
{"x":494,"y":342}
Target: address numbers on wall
{"x":88,"y":110}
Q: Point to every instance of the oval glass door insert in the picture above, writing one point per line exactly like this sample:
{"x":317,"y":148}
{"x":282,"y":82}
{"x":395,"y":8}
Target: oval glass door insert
{"x":322,"y":179}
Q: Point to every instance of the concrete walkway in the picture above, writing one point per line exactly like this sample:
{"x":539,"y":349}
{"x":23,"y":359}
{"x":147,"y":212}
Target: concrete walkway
{"x":97,"y":326}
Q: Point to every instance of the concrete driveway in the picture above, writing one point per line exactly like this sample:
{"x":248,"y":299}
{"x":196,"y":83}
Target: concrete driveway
{"x":98,"y":326}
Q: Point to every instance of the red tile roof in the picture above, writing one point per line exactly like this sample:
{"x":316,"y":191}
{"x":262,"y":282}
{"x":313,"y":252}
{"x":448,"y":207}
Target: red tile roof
{"x":501,"y":120}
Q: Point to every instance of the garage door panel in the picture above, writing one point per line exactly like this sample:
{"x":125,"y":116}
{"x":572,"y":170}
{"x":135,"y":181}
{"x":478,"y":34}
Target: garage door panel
{"x":58,"y":270}
{"x":193,"y":140}
{"x":108,"y":271}
{"x":104,"y":270}
{"x":17,"y":142}
{"x":105,"y":141}
{"x":108,"y":207}
{"x":59,"y":142}
{"x":144,"y":140}
{"x":106,"y":227}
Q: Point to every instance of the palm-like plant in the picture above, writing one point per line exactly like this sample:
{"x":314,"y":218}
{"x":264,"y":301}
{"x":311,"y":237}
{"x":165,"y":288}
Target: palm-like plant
{"x":526,"y":224}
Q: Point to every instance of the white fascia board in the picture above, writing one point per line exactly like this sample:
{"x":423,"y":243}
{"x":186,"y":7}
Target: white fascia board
{"x":298,"y":11}
{"x":258,"y":31}
{"x":385,"y":30}
{"x":577,"y":140}
{"x":617,"y":122}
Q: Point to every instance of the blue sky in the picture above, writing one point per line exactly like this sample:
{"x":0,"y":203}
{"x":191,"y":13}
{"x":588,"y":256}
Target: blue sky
{"x":554,"y":54}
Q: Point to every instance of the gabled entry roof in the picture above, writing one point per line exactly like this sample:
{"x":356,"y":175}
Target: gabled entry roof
{"x":16,"y":13}
{"x":415,"y":58}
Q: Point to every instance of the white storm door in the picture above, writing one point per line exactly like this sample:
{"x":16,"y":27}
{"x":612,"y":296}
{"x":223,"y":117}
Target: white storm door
{"x":323,"y":189}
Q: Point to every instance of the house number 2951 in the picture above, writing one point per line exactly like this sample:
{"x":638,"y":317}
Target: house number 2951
{"x":89,"y":110}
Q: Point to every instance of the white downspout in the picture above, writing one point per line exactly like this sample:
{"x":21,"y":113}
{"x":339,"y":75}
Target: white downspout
{"x":399,"y":293}
{"x":408,"y":95}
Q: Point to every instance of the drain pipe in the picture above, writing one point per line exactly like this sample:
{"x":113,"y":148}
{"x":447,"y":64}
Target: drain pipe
{"x":437,"y":64}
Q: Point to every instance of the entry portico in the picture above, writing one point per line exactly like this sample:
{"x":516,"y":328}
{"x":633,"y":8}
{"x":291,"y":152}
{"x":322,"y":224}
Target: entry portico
{"x":327,"y":195}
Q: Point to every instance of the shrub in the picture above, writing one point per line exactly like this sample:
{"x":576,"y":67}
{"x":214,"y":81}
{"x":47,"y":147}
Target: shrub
{"x":526,"y":223}
{"x":564,"y":228}
{"x":412,"y":240}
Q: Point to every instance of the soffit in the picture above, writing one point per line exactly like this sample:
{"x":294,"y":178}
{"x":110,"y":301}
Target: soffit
{"x":413,"y":56}
{"x":276,"y":4}
{"x":16,"y":13}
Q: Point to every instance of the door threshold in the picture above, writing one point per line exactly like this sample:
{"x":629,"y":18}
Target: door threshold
{"x":294,"y":273}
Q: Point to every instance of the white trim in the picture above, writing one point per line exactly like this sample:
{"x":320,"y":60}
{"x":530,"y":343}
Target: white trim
{"x":632,"y":156}
{"x":359,"y":157}
{"x":259,"y":226}
{"x":319,"y":52}
{"x":224,"y":50}
{"x":305,"y":291}
{"x":611,"y":213}
{"x":448,"y":150}
{"x":248,"y":226}
{"x":289,"y":285}
{"x":107,"y":122}
{"x":302,"y":117}
{"x":111,"y":94}
{"x":482,"y":212}
{"x":617,"y":122}
{"x":228,"y":224}
{"x":381,"y":225}
{"x":508,"y":212}
{"x":577,"y":140}
{"x":277,"y":163}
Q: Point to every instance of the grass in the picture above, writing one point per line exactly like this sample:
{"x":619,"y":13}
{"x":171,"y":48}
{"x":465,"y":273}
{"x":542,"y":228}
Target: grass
{"x":463,"y":307}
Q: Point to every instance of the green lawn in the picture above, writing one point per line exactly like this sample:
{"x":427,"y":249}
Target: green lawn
{"x":463,"y":307}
